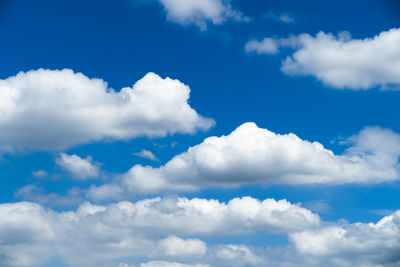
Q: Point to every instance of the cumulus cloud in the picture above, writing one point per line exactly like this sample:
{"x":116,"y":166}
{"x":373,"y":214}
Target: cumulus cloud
{"x":201,"y":13}
{"x":252,"y":155}
{"x":57,"y":109}
{"x":358,"y":244}
{"x":201,"y":216}
{"x":37,"y":194}
{"x":340,"y":61}
{"x":78,"y":167}
{"x":174,"y":246}
{"x":95,"y":234}
{"x":146,"y":154}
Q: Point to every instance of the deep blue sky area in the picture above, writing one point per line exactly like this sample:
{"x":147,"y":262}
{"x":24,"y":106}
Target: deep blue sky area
{"x":120,"y":41}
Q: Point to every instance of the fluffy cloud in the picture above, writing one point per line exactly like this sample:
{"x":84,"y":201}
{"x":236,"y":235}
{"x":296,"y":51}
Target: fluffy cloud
{"x":95,"y":234}
{"x":174,"y":246}
{"x":32,"y":235}
{"x":266,"y":46}
{"x":342,"y":62}
{"x":361,"y":243}
{"x":251,"y":155}
{"x":57,"y":109}
{"x":78,"y":167}
{"x":200,"y":13}
{"x":146,"y":154}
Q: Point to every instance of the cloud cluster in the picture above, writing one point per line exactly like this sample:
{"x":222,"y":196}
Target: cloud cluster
{"x":96,"y":234}
{"x":32,"y":235}
{"x":200,"y":13}
{"x":252,"y":155}
{"x":342,"y":245}
{"x":57,"y":109}
{"x":340,"y":61}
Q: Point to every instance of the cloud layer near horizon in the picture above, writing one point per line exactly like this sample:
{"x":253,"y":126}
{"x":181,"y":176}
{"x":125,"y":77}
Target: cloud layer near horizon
{"x":57,"y":109}
{"x":32,"y":235}
{"x":96,"y":234}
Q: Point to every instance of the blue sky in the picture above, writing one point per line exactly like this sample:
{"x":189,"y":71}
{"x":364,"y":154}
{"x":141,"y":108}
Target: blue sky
{"x":319,"y":80}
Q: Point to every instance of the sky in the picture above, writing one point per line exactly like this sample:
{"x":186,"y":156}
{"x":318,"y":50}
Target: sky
{"x":199,"y":133}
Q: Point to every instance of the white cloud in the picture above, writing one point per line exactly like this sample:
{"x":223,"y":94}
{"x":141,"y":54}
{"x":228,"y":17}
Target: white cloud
{"x":358,"y":244}
{"x":240,"y":254}
{"x":37,"y":194}
{"x":78,"y":167}
{"x":174,"y":246}
{"x":57,"y":109}
{"x":342,"y":62}
{"x":200,"y":13}
{"x":39,"y":174}
{"x":93,"y":234}
{"x":170,"y":264}
{"x":126,"y":232}
{"x":146,"y":154}
{"x":252,"y":155}
{"x":266,"y":46}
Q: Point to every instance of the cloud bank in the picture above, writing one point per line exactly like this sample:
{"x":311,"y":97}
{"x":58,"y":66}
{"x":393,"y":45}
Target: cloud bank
{"x":96,"y":234}
{"x":32,"y":235}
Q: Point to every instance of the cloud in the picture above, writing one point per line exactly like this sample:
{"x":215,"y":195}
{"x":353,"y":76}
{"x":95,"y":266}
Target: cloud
{"x":281,"y":17}
{"x":58,"y":109}
{"x":171,"y":264}
{"x":78,"y":167}
{"x":201,"y":13}
{"x":40,"y":174}
{"x":37,"y":194}
{"x":252,"y":155}
{"x":342,"y":62}
{"x":174,"y":246}
{"x":95,"y":234}
{"x":200,"y":216}
{"x":146,"y":154}
{"x":358,"y":244}
{"x":266,"y":46}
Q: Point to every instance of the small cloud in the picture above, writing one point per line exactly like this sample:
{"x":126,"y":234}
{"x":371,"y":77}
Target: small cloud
{"x":267,"y":46}
{"x":40,"y":174}
{"x":80,"y":168}
{"x":163,"y":146}
{"x":281,"y":17}
{"x":146,"y":154}
{"x":318,"y":206}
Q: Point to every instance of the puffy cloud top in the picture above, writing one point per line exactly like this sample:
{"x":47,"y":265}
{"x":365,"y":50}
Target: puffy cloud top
{"x":57,"y":109}
{"x":200,"y":13}
{"x":340,"y":62}
{"x":95,"y":234}
{"x":252,"y":155}
{"x":78,"y":167}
